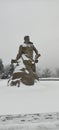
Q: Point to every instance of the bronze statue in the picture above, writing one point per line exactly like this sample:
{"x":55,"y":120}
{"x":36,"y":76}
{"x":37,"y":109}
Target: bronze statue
{"x":26,"y":72}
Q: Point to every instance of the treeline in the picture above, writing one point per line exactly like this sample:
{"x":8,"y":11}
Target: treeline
{"x":47,"y":72}
{"x":6,"y":71}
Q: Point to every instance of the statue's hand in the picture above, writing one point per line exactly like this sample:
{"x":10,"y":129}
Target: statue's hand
{"x":36,"y":61}
{"x":37,"y":56}
{"x":13,"y":61}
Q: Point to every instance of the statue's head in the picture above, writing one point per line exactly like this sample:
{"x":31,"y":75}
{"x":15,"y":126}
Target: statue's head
{"x":26,"y":39}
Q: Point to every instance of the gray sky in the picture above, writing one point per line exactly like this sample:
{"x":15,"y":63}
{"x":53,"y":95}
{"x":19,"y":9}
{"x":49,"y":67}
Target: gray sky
{"x":37,"y":18}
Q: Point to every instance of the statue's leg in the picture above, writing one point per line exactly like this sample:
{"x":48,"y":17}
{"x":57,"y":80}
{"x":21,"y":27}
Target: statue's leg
{"x":32,"y":73}
{"x":14,"y":83}
{"x":18,"y":75}
{"x":33,"y":66}
{"x":27,"y":80}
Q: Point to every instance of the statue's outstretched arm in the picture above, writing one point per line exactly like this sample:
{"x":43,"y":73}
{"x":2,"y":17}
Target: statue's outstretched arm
{"x":19,"y":53}
{"x":37,"y":54}
{"x":34,"y":48}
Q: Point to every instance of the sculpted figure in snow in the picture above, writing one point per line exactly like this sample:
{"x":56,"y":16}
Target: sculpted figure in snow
{"x":25,"y":71}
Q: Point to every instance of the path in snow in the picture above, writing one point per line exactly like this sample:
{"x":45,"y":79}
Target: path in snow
{"x":47,"y":121}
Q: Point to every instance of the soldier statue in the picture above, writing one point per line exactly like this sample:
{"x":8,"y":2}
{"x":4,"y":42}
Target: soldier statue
{"x":25,"y":70}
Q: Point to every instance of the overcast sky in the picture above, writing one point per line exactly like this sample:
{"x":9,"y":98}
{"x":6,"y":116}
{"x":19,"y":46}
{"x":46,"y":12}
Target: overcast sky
{"x":37,"y":18}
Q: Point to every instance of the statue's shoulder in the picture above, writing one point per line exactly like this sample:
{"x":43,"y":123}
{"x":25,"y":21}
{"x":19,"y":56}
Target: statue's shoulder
{"x":31,"y":43}
{"x":21,"y":46}
{"x":25,"y":45}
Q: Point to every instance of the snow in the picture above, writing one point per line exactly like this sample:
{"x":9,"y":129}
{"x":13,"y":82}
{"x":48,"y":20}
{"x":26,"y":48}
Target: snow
{"x":30,"y":122}
{"x":19,"y":67}
{"x":42,"y":97}
{"x":29,"y":107}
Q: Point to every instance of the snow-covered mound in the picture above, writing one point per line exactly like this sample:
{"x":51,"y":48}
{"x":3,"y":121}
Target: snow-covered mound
{"x":39,"y":98}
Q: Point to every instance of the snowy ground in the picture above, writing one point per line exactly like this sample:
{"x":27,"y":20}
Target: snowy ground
{"x":21,"y":108}
{"x":30,"y":122}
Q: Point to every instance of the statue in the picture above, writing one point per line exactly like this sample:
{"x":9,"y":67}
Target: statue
{"x":25,"y":70}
